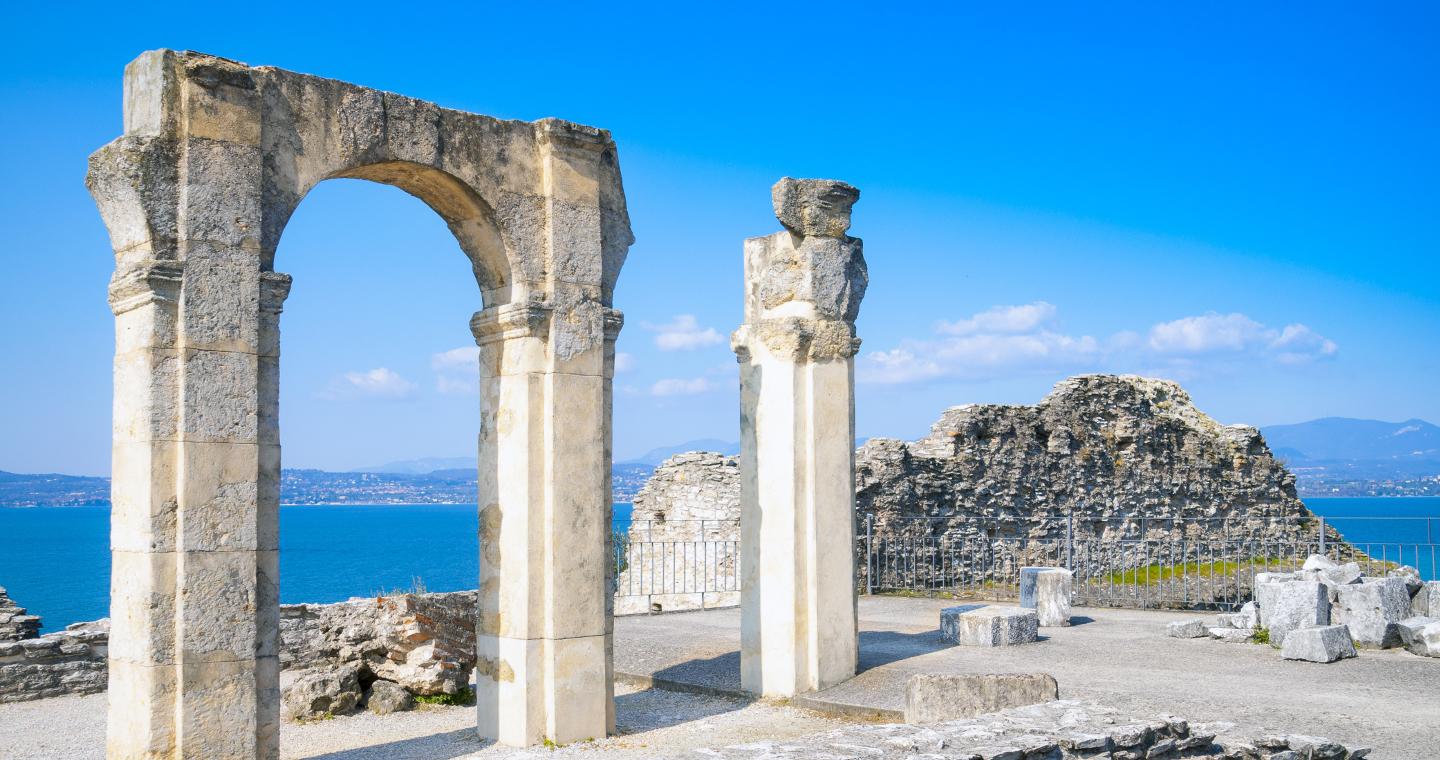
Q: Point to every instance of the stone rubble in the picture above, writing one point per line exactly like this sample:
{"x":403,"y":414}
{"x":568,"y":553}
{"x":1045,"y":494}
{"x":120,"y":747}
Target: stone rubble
{"x":424,"y":643}
{"x":1057,"y":730}
{"x":1047,"y":590}
{"x":1327,"y":601}
{"x":1187,"y":629}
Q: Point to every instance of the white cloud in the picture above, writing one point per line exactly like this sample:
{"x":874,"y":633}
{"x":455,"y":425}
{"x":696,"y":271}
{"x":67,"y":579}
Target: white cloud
{"x":1005,"y":341}
{"x":378,"y":383}
{"x":457,"y":370}
{"x":683,"y":333}
{"x":677,"y":386}
{"x":624,"y":362}
{"x":1001,"y":319}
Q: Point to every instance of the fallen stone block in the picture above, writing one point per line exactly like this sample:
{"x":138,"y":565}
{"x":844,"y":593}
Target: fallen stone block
{"x":1320,"y":644}
{"x":990,"y":626}
{"x":1409,"y":628}
{"x":1299,"y":604}
{"x":1370,"y":609}
{"x":1423,"y":640}
{"x":1426,"y":601}
{"x":322,"y":692}
{"x":1231,"y":635}
{"x":386,"y":697}
{"x":933,"y":698}
{"x":1318,"y":562}
{"x":1267,"y":590}
{"x":1187,"y":629}
{"x":1410,"y":575}
{"x":1341,"y":575}
{"x":950,"y":621}
{"x":1047,"y":591}
{"x":1235,"y":620}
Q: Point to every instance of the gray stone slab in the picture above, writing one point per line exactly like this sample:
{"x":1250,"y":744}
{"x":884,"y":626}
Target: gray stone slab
{"x":1319,"y":644}
{"x":990,"y":626}
{"x":931,"y":698}
{"x":1299,"y":604}
{"x":1187,"y":629}
{"x":1371,"y":609}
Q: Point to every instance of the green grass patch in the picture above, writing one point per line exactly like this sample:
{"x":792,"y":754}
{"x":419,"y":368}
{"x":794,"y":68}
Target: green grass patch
{"x":1260,"y":636}
{"x":462,"y":698}
{"x":1151,"y":574}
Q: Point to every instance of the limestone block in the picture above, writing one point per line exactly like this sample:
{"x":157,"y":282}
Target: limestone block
{"x":1411,"y":577}
{"x":1371,"y":609}
{"x":932,"y":698}
{"x":142,"y":608}
{"x":147,"y":728}
{"x":333,"y":691}
{"x":143,"y":497}
{"x":218,"y":709}
{"x":1317,"y":562}
{"x":1047,"y":590}
{"x":217,"y":603}
{"x":1187,"y":629}
{"x":219,"y":496}
{"x":1299,"y":604}
{"x":1412,"y":635}
{"x":1426,"y":601}
{"x":219,"y":396}
{"x":1318,"y":644}
{"x":1426,"y":641}
{"x":1231,"y":635}
{"x":385,"y":697}
{"x":996,"y":627}
{"x":814,"y":206}
{"x":1267,"y":593}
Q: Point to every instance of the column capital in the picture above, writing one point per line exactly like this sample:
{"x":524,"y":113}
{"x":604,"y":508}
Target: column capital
{"x":506,"y":321}
{"x":145,"y":283}
{"x":274,"y":289}
{"x":797,"y":339}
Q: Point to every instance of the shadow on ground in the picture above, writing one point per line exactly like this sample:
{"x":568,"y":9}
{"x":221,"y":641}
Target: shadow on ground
{"x":654,"y":709}
{"x":879,"y":648}
{"x":444,"y":746}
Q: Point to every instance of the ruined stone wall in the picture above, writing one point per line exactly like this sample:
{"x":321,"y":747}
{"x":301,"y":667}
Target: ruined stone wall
{"x":423,"y":642}
{"x":683,"y":545}
{"x":71,"y":661}
{"x":1129,"y":464}
{"x":15,"y":622}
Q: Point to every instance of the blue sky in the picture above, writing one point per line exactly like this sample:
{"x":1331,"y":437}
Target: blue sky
{"x":1242,"y":199}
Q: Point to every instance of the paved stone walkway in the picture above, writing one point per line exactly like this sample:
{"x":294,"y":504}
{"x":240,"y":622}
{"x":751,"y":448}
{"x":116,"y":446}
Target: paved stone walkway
{"x":1389,"y":700}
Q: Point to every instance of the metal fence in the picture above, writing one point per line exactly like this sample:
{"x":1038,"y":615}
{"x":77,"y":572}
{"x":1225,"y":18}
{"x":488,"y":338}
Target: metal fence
{"x":1181,"y":563}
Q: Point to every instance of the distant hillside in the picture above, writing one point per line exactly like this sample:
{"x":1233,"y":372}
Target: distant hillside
{"x":445,"y":486}
{"x":422,"y":466}
{"x":654,"y":457}
{"x":52,"y":490}
{"x":1340,"y":438}
{"x":1337,"y":456}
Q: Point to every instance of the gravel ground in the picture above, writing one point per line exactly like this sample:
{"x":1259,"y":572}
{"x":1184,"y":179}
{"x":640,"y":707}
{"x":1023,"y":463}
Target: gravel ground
{"x":652,"y":724}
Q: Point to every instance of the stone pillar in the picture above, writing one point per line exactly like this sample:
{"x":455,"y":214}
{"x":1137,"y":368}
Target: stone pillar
{"x":796,"y":349}
{"x":544,"y":630}
{"x":194,"y":663}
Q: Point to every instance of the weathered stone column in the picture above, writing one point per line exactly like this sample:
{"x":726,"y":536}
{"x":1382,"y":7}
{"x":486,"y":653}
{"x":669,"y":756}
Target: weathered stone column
{"x":544,"y":628}
{"x":194,"y":595}
{"x":803,"y":288}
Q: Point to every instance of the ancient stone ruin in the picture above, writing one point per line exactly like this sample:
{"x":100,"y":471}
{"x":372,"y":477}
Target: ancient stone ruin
{"x":682,"y":549}
{"x":797,"y":348}
{"x":214,"y":158}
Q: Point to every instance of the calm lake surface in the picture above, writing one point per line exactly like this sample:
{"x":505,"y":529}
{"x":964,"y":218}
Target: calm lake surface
{"x":55,"y":561}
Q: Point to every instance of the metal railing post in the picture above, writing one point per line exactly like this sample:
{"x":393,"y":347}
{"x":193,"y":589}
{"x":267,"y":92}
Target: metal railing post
{"x":1322,"y":535}
{"x":869,"y":554}
{"x":1070,"y":542}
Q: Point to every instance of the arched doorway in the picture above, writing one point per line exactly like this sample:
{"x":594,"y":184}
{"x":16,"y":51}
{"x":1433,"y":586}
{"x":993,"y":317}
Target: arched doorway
{"x":215,"y":157}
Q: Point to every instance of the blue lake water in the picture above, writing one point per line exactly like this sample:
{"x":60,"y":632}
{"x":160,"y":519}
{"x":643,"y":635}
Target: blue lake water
{"x":56,"y":562}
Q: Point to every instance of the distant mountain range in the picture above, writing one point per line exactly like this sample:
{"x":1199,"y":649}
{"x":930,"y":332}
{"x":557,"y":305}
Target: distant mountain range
{"x":1337,"y":456}
{"x":1333,"y":456}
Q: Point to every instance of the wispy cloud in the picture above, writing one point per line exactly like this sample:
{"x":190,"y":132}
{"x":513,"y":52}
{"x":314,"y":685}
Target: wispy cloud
{"x":683,"y":333}
{"x":624,"y":362}
{"x":456,"y":370}
{"x":379,"y":383}
{"x":682,"y":386}
{"x":1010,"y":340}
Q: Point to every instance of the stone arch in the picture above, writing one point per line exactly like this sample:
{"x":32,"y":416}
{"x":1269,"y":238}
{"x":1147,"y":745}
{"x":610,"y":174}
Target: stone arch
{"x":215,"y":157}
